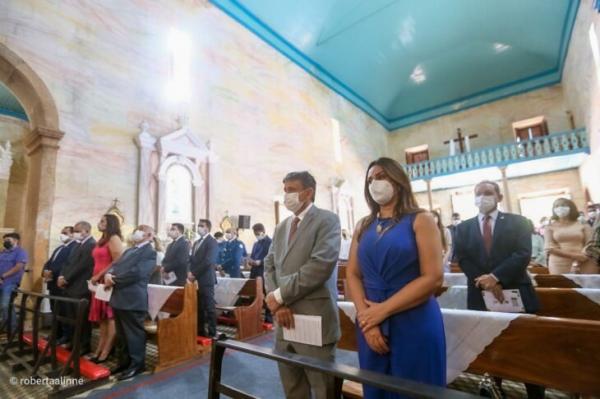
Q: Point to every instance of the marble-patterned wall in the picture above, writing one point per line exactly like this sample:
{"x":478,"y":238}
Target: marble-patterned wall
{"x":107,"y":64}
{"x":13,"y":130}
{"x":492,"y":122}
{"x":581,"y":83}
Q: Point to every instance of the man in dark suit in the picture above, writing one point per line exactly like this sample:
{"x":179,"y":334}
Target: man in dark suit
{"x":260,"y":249}
{"x":202,"y":269}
{"x":177,"y":257}
{"x":493,"y":249}
{"x":129,"y":277}
{"x":73,"y":280}
{"x":51,"y":271}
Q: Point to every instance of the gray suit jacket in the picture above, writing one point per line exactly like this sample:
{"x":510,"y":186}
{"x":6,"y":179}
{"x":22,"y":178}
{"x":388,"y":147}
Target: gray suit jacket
{"x":303,"y":272}
{"x":131,"y":273}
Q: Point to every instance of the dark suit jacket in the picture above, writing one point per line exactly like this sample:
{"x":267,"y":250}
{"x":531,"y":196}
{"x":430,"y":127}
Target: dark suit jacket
{"x":56,"y":265}
{"x":131,"y":274}
{"x":508,"y":258}
{"x":177,"y":260}
{"x":203,"y":260}
{"x":78,"y":269}
{"x":260,"y":249}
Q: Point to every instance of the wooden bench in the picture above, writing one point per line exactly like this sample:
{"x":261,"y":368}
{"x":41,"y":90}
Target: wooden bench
{"x":176,"y":336}
{"x":247,"y":312}
{"x":557,"y":353}
{"x":555,"y":302}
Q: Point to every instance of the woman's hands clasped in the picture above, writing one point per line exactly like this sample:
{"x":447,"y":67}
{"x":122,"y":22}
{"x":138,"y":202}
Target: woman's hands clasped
{"x":369,"y":320}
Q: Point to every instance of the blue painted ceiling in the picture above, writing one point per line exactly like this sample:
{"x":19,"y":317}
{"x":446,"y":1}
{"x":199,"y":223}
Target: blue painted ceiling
{"x":406,"y":61}
{"x":9,"y":105}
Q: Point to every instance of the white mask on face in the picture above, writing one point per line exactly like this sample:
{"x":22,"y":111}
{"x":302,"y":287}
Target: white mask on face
{"x":228,"y":236}
{"x":202,"y":231}
{"x":562,"y":211}
{"x":77,"y":236}
{"x":292,"y":202}
{"x":137,"y":236}
{"x":173,"y":234}
{"x":485,"y":203}
{"x":382,"y":191}
{"x":64,"y":238}
{"x":455,"y":222}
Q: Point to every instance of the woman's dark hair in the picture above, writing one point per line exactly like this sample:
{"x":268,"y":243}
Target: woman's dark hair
{"x":441,"y":228}
{"x":406,"y":203}
{"x":573,"y":212}
{"x":113,"y":228}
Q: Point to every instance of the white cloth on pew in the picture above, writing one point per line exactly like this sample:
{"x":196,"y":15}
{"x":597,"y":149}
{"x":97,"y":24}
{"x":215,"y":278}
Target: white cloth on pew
{"x":585,"y":280}
{"x":455,"y":297}
{"x":590,"y":293}
{"x":468,"y":333}
{"x":157,"y":296}
{"x":452,"y":279}
{"x":227,"y":290}
{"x":246,"y":274}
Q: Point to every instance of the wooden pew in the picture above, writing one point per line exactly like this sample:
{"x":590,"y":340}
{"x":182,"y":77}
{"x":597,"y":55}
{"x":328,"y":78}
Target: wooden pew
{"x":537,"y":269}
{"x":176,"y":336}
{"x":341,"y":281}
{"x":542,"y":280}
{"x":557,"y":353}
{"x":247,"y":314}
{"x":558,"y":302}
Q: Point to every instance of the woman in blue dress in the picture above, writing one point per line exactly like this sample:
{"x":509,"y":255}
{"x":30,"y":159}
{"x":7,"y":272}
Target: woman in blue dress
{"x":394,"y":269}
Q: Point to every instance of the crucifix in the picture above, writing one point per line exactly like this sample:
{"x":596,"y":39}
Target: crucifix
{"x":463,"y":142}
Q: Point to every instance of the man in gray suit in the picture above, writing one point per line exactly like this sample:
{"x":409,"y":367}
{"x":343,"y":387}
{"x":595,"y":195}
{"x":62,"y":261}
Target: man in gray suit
{"x":299,"y":280}
{"x":130,"y":275}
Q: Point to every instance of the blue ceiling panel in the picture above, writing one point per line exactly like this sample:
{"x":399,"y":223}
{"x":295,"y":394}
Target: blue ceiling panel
{"x":406,"y":61}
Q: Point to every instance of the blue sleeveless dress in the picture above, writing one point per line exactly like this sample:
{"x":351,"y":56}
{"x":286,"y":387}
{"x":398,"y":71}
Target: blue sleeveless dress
{"x":416,"y":336}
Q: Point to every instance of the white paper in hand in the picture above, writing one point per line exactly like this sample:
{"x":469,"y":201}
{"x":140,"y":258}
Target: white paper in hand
{"x":307,"y":330}
{"x":169,"y":278}
{"x":91,"y":286}
{"x":512,"y":302}
{"x":102,"y":294}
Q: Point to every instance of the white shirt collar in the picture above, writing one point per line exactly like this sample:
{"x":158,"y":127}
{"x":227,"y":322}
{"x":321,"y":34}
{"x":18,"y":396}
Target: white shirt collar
{"x":493,"y":215}
{"x":302,"y":214}
{"x":142,"y":244}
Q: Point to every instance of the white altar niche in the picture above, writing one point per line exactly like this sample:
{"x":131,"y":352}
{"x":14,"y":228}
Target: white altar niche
{"x":173,"y":178}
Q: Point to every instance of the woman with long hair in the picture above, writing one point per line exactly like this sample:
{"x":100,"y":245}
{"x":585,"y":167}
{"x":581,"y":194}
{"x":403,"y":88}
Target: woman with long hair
{"x":446,"y":237}
{"x":393,"y":272}
{"x":565,"y":239}
{"x":107,"y":250}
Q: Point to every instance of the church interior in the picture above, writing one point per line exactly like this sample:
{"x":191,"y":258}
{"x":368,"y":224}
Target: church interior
{"x":169,"y":121}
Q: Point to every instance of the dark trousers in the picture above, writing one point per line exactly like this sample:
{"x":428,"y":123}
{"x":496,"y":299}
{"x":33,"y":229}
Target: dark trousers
{"x":58,"y":309}
{"x":207,"y":314}
{"x":131,"y":337}
{"x":86,"y":327}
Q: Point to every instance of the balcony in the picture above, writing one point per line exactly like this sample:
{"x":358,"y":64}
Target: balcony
{"x":557,"y":151}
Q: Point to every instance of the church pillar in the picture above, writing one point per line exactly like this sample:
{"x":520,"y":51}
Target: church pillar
{"x":429,"y":194}
{"x":42,"y":147}
{"x":505,"y":191}
{"x":6,"y":162}
{"x":146,"y":210}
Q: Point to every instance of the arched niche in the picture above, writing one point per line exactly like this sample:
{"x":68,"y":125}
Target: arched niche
{"x":41,"y":146}
{"x":183,"y":151}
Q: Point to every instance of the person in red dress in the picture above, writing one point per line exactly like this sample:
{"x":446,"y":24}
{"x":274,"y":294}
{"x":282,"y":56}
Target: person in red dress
{"x":108,"y":250}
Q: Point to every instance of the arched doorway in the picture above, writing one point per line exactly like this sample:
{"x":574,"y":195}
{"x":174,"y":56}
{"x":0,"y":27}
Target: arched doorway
{"x":41,"y":145}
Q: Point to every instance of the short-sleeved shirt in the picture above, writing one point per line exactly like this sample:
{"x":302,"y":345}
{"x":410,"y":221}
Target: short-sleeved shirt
{"x":8,"y":259}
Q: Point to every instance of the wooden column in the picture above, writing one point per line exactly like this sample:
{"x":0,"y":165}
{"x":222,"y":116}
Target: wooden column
{"x":505,"y":190}
{"x":429,"y":194}
{"x":42,"y":147}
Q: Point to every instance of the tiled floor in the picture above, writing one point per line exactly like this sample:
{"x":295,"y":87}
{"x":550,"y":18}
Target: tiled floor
{"x":190,"y":380}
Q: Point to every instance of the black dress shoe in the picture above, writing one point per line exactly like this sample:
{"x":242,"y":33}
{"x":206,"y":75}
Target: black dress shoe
{"x":97,"y":360}
{"x":130,"y":373}
{"x":119,"y":369}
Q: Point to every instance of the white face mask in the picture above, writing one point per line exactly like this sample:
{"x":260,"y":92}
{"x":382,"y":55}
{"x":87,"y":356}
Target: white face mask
{"x":228,"y":236}
{"x":562,"y":211}
{"x":77,"y":236}
{"x":455,"y":222}
{"x":292,"y":202}
{"x":64,"y":238}
{"x":382,"y":191}
{"x":137,"y":236}
{"x":173,"y":234}
{"x":260,"y":236}
{"x":485,"y":203}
